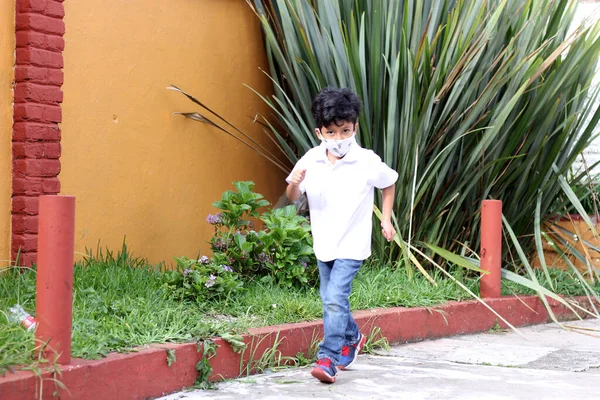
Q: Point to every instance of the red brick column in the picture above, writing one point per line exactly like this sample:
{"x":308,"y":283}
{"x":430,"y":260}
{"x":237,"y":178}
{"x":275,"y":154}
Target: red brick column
{"x":37,"y":112}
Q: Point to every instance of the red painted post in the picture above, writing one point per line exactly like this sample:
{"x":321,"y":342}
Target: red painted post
{"x":491,"y":248}
{"x":54,"y":308}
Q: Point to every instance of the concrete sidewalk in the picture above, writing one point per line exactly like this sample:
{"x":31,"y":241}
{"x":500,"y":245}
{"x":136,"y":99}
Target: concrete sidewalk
{"x":551,"y":363}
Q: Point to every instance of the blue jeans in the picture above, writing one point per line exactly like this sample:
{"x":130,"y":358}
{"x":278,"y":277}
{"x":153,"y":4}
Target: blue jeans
{"x":340,"y":329}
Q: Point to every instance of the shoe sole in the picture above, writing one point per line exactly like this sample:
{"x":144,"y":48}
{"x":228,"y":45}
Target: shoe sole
{"x":323,"y":376}
{"x":359,"y":347}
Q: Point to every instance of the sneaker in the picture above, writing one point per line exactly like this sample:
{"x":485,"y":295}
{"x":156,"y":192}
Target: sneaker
{"x":349,"y":353}
{"x":324,"y":371}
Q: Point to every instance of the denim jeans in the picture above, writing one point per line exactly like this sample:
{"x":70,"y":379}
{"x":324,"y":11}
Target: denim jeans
{"x":340,"y":329}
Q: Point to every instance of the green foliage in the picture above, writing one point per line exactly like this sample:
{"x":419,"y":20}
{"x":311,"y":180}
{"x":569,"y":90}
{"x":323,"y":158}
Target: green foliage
{"x":467,"y":100}
{"x":203,"y":367}
{"x":171,"y":357}
{"x":563,"y":282}
{"x":302,"y":360}
{"x":310,"y":357}
{"x":281,"y":252}
{"x":270,"y":359}
{"x":375,"y":341}
{"x":120,"y":302}
{"x":588,"y":194}
{"x":235,"y":341}
{"x":235,"y":206}
{"x":201,"y":280}
{"x":292,"y":260}
{"x":16,"y":346}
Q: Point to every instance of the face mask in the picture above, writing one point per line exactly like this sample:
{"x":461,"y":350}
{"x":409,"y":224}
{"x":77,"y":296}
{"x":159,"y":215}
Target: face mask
{"x":339,"y":148}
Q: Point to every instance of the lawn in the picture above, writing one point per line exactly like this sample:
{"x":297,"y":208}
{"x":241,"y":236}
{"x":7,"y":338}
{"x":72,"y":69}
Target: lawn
{"x":120,"y":302}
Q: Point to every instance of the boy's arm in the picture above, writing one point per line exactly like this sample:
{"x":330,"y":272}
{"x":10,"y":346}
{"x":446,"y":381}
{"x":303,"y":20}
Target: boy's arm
{"x":292,"y":192}
{"x":386,"y":213}
{"x":293,"y":188}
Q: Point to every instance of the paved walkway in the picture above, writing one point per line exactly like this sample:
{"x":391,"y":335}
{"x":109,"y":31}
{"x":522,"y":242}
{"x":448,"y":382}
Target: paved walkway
{"x":551,"y":363}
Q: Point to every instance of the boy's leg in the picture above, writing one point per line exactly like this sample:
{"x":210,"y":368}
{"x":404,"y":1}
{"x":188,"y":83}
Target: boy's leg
{"x":324,"y":370}
{"x":324,"y":272}
{"x":336,"y":308}
{"x":352,"y":331}
{"x":353,"y":344}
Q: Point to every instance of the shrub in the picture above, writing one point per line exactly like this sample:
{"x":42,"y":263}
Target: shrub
{"x":201,"y":279}
{"x":281,"y":252}
{"x":466,"y":100}
{"x":292,"y":259}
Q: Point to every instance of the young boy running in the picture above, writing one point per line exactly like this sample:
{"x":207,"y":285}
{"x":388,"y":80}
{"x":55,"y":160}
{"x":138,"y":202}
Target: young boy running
{"x":339,"y":178}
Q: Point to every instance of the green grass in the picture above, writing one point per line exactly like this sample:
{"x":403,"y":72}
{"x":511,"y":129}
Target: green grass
{"x":120,"y":303}
{"x":565,"y":283}
{"x":374,"y":286}
{"x":16,"y":344}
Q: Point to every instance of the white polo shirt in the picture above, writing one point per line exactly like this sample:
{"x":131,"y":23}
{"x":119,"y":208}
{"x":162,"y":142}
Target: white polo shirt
{"x":341,"y":198}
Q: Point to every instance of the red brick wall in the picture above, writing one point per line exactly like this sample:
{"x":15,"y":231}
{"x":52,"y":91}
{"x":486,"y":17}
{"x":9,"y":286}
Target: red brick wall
{"x":37,"y":112}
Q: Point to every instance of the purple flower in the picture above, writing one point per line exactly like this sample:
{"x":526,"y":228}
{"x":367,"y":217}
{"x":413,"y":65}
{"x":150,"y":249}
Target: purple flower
{"x":251,"y":224}
{"x":186,"y":272}
{"x":263,"y":258}
{"x":227,"y":268}
{"x":303,"y":263}
{"x":203,"y":260}
{"x":211,"y":281}
{"x":220,"y":244}
{"x":214,"y":219}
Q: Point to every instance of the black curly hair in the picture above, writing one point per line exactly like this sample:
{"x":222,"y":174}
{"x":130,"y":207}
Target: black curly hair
{"x":334,"y":105}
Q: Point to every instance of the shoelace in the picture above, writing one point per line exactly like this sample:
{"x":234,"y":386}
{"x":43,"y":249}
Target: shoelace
{"x":326,"y":362}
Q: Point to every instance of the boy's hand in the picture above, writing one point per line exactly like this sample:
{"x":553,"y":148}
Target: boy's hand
{"x":298,"y":177}
{"x":388,"y":230}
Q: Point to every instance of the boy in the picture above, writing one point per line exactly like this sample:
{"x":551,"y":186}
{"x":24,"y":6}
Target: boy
{"x":339,"y":178}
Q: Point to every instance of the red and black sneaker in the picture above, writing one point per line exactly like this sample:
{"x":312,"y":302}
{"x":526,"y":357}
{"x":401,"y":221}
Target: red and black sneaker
{"x":349,"y":353}
{"x":324,"y":371}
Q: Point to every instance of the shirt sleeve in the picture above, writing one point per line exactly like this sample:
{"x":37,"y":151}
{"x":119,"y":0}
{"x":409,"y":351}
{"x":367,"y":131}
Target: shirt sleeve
{"x":382,"y":176}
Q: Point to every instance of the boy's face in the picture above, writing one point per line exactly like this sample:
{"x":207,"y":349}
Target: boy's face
{"x":336,"y":132}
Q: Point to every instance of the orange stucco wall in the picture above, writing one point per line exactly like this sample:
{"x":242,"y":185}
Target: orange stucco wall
{"x":135,"y":168}
{"x":7,"y":49}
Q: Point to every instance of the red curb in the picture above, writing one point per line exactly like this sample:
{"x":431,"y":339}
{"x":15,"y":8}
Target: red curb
{"x":145,"y":373}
